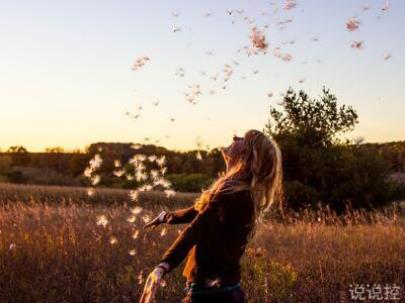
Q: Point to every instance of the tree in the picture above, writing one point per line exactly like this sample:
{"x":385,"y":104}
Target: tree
{"x":19,"y":155}
{"x":17,"y":149}
{"x":312,"y":122}
{"x":54,"y":150}
{"x":318,"y":167}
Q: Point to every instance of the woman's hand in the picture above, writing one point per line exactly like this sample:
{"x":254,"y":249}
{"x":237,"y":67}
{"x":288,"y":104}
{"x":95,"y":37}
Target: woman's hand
{"x":158,"y":220}
{"x":153,"y":281}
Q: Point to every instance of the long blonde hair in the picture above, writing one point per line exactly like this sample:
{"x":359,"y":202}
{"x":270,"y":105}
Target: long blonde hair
{"x":258,"y":169}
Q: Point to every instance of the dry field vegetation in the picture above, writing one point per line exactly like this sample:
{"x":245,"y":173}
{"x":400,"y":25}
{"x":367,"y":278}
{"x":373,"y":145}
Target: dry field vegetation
{"x":52,"y":250}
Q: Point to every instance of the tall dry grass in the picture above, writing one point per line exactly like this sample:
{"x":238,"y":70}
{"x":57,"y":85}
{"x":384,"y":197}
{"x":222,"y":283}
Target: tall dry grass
{"x":57,"y":253}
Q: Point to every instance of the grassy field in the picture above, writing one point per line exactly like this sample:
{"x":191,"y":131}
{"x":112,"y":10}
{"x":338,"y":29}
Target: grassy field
{"x":53,"y":250}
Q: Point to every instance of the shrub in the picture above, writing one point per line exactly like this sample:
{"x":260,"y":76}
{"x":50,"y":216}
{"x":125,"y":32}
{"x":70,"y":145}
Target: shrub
{"x":189,"y":183}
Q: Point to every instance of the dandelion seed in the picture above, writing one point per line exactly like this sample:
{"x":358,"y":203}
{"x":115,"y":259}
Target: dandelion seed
{"x":366,"y":7}
{"x":87,"y":172}
{"x":95,"y":180}
{"x":170,"y":193}
{"x":163,"y":171}
{"x":193,"y":93}
{"x":113,"y":240}
{"x":137,"y":116}
{"x":136,"y":146}
{"x":136,"y":210}
{"x":131,"y":219}
{"x":214,"y":77}
{"x":140,"y":62}
{"x":152,"y":158}
{"x":140,"y":277}
{"x":352,"y":24}
{"x":135,"y":234}
{"x":90,"y":192}
{"x":176,"y":29}
{"x":119,"y":173}
{"x":12,"y":246}
{"x":132,"y":252}
{"x":134,"y":195}
{"x":386,"y":6}
{"x":357,"y":44}
{"x":156,"y":103}
{"x":162,"y":283}
{"x":208,"y":14}
{"x":258,"y":39}
{"x":172,"y":120}
{"x":180,"y":72}
{"x":141,"y":158}
{"x":94,"y":164}
{"x":102,"y":221}
{"x":145,"y":187}
{"x":154,"y":174}
{"x":301,"y":80}
{"x":146,"y":218}
{"x":176,"y":14}
{"x":387,"y":56}
{"x":165,"y":183}
{"x":117,"y":163}
{"x":139,"y":166}
{"x":287,"y":57}
{"x":141,"y":176}
{"x":289,"y":4}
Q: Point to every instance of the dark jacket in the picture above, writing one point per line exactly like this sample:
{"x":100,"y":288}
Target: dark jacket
{"x":215,"y":239}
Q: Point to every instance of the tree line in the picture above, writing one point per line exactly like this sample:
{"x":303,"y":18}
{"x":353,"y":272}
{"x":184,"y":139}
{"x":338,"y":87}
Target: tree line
{"x":319,"y":166}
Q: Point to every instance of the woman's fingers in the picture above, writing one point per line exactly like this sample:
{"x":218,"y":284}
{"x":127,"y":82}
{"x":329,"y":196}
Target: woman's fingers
{"x":146,"y":290}
{"x":152,"y":223}
{"x":151,"y":285}
{"x":151,"y":293}
{"x":158,"y":220}
{"x":142,"y":300}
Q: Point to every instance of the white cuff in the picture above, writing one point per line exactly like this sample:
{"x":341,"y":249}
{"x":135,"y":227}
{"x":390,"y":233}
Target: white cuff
{"x":164,"y":265}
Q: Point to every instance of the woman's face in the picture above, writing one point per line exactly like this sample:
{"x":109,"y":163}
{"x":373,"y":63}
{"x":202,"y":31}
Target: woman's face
{"x":233,"y":151}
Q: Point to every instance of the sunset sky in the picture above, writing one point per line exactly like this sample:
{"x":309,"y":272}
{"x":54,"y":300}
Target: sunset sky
{"x":66,"y":77}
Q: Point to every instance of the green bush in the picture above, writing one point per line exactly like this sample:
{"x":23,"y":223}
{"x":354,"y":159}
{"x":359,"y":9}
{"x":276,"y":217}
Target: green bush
{"x":189,"y":182}
{"x":298,"y":194}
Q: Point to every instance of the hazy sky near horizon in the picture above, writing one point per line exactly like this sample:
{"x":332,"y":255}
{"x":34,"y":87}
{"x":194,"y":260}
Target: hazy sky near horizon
{"x":67,"y":78}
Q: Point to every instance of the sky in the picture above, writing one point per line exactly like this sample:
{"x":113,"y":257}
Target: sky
{"x":66,"y":76}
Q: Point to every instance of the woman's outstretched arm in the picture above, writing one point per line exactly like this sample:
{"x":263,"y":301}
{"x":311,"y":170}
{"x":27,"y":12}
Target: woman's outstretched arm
{"x":181,"y":216}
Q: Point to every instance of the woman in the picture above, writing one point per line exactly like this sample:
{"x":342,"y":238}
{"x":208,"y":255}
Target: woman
{"x":222,"y":221}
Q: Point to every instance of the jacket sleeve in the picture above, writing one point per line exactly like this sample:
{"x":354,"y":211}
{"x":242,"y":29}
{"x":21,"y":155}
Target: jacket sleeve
{"x":181,"y":216}
{"x":191,"y":234}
